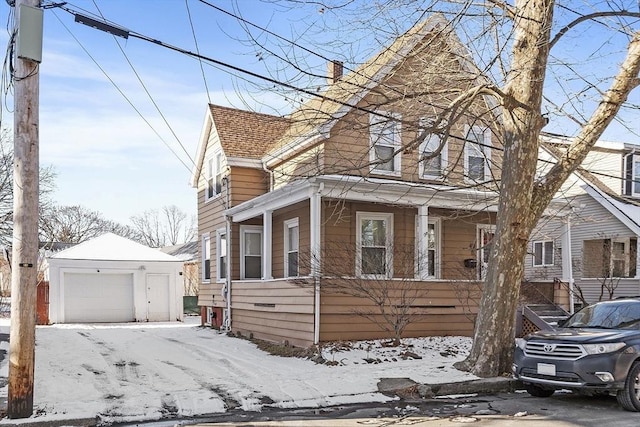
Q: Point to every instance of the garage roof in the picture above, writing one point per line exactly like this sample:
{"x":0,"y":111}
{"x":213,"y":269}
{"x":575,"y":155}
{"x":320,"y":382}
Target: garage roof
{"x":111,"y":247}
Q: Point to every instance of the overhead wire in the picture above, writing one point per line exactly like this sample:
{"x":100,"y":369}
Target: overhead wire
{"x":195,"y":40}
{"x":155,"y":104}
{"x":288,"y":85}
{"x":120,"y":91}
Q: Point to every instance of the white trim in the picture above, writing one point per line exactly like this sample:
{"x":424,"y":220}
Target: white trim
{"x":288,"y":225}
{"x":543,"y":252}
{"x":219,"y":233}
{"x":376,"y":216}
{"x":294,"y":147}
{"x":481,"y":229}
{"x":315,"y":229}
{"x":634,"y":174}
{"x":267,"y":239}
{"x":213,"y":170}
{"x":243,"y":230}
{"x":375,"y":139}
{"x":205,"y":133}
{"x":244,"y":163}
{"x":205,"y":237}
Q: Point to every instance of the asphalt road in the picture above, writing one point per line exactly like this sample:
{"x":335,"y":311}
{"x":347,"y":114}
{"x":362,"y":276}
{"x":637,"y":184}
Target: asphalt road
{"x":504,"y":409}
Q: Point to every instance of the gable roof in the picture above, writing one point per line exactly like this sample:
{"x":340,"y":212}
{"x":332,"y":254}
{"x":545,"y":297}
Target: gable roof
{"x":111,"y":247}
{"x":242,"y":134}
{"x":625,"y":209}
{"x":268,"y":138}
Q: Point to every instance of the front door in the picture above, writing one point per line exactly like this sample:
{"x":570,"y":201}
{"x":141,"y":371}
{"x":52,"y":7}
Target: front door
{"x":485,"y":235}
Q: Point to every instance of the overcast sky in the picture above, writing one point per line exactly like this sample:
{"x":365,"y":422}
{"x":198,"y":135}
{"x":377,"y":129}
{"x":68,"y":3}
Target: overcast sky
{"x":122,"y":156}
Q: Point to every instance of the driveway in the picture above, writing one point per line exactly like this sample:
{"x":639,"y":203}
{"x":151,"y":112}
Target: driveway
{"x":146,"y":371}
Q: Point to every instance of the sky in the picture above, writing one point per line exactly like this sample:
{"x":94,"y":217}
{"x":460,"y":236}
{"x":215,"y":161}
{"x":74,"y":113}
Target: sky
{"x":120,"y":119}
{"x":146,"y":371}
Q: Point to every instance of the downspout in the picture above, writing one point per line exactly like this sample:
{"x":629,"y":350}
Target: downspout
{"x":227,"y":321}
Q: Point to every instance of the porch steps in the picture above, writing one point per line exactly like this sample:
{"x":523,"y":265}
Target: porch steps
{"x":544,"y":316}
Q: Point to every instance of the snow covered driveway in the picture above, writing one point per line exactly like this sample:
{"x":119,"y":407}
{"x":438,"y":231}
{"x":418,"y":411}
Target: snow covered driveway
{"x":135,"y":372}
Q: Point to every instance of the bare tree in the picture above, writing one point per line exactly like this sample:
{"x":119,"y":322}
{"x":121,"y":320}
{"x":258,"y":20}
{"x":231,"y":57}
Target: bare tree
{"x":75,"y":224}
{"x":529,"y":88}
{"x":168,"y":226}
{"x":46,"y":186}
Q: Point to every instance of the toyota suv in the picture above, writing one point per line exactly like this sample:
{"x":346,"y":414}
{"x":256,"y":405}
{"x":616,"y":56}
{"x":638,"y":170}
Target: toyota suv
{"x":596,"y":350}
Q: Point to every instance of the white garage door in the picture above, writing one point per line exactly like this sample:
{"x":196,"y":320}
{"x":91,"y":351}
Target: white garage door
{"x":98,"y":297}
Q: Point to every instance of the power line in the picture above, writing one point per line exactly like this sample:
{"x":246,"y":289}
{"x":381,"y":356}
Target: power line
{"x":149,"y":94}
{"x":195,"y":40}
{"x":121,"y":92}
{"x":290,"y":86}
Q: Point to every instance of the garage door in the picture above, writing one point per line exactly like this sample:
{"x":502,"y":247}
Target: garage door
{"x":98,"y":297}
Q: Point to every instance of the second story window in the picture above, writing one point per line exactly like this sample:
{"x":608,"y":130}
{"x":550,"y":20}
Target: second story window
{"x":385,"y":140}
{"x":477,"y":154}
{"x":632,"y":175}
{"x":214,"y":176}
{"x":432,"y":165}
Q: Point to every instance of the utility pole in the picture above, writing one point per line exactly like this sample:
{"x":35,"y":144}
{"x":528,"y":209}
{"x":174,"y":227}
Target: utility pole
{"x":27,"y":39}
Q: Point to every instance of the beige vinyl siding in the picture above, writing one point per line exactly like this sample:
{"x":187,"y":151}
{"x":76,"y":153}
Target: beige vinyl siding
{"x":274,"y":310}
{"x":442,"y":309}
{"x":244,"y":184}
{"x":300,"y":211}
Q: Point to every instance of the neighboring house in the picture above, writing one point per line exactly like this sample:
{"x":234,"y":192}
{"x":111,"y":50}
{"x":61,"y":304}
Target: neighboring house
{"x":287,"y":204}
{"x":188,"y":254}
{"x":600,"y":228}
{"x":113,"y":279}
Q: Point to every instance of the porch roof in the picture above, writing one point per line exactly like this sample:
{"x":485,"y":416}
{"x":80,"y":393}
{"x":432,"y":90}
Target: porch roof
{"x":374,"y":190}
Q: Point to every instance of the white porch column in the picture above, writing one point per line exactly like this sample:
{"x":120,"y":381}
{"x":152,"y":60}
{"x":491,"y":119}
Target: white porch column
{"x":637,"y":257}
{"x":314,"y":243}
{"x":267,"y":238}
{"x":422,"y":241}
{"x":567,"y":266}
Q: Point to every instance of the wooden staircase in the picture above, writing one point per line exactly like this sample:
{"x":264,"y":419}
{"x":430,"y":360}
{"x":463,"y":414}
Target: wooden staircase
{"x":535,"y":317}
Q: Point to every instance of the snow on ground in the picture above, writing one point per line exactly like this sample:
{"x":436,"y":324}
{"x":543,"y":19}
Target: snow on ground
{"x":148,"y":371}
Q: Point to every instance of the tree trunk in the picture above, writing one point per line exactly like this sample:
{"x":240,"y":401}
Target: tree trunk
{"x":491,"y":353}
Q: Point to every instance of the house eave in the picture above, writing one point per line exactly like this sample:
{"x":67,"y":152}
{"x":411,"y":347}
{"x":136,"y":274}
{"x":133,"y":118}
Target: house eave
{"x":375,"y":190}
{"x":612,"y":206}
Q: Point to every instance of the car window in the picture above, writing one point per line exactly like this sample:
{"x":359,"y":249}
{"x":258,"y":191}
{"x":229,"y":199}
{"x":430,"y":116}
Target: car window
{"x":625,"y":314}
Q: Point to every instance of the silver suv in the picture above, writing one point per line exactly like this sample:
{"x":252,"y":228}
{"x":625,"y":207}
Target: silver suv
{"x":597,"y":350}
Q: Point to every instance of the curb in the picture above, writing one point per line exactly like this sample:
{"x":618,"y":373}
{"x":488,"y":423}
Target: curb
{"x":33,"y":422}
{"x":407,"y":388}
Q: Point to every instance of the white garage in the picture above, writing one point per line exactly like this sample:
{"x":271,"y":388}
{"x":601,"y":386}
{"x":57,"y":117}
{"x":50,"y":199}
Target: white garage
{"x":113,"y":279}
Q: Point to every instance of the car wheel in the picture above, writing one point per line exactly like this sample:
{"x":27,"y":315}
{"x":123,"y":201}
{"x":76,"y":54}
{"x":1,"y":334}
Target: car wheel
{"x":538,"y":391}
{"x":629,"y":396}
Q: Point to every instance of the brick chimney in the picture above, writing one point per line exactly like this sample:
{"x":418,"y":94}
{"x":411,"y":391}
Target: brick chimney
{"x":334,"y":71}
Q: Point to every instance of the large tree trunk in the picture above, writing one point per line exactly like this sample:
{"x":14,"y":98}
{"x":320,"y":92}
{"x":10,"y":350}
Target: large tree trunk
{"x":522,"y":124}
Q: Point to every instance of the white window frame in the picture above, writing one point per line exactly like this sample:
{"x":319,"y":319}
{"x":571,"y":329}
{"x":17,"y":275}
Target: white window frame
{"x":543,"y":252}
{"x":434,"y":140}
{"x":420,"y":259}
{"x":381,"y":121}
{"x":206,"y":254}
{"x":472,"y":149}
{"x":483,"y":251}
{"x":213,"y":176}
{"x":244,"y":229}
{"x":388,"y":218}
{"x":631,"y":180}
{"x":288,"y":225}
{"x":221,"y":245}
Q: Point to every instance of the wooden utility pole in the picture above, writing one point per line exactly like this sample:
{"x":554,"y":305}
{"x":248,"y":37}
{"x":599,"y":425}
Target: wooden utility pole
{"x":24,"y":259}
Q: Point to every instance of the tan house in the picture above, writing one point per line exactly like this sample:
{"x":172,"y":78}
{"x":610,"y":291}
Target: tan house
{"x":377,"y":193}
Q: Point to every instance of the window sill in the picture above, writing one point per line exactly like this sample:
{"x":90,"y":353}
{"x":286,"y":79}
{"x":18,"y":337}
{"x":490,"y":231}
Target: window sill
{"x":386,"y":173}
